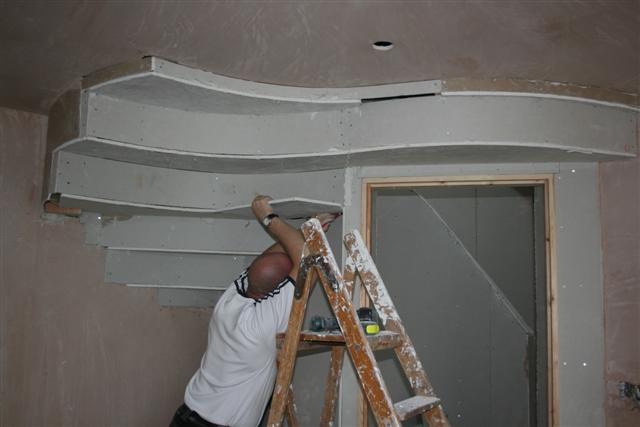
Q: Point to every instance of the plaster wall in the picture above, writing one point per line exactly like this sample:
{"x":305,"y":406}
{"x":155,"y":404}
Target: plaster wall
{"x":620,"y":207}
{"x":73,"y":350}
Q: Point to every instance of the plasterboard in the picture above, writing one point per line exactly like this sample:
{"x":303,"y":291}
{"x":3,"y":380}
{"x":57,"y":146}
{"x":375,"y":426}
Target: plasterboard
{"x":542,"y":88}
{"x":160,"y":127}
{"x":179,"y":233}
{"x":130,"y":182}
{"x":509,"y":121}
{"x":460,"y":129}
{"x":173,"y":269}
{"x":427,"y":153}
{"x":579,"y":296}
{"x":293,"y":207}
{"x":156,"y":81}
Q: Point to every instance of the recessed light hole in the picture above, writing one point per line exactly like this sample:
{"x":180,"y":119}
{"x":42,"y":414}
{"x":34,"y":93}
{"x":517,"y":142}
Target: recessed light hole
{"x":382,"y":45}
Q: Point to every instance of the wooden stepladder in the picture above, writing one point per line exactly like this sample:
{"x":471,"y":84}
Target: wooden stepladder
{"x":319,"y":263}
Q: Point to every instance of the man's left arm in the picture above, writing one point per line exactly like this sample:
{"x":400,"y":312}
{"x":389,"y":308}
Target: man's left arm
{"x":289,"y":239}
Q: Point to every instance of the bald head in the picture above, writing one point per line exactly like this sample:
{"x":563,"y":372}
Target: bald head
{"x":268,"y":270}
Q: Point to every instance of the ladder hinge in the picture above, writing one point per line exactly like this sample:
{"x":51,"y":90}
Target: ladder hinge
{"x":306,"y":264}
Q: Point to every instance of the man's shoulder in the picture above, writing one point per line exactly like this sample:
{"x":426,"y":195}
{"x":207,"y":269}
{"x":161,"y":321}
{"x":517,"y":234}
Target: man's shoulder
{"x":284,"y":289}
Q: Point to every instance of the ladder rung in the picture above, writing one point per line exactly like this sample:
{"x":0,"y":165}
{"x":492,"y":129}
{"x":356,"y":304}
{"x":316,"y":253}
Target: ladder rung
{"x":415,"y":405}
{"x":309,"y":339}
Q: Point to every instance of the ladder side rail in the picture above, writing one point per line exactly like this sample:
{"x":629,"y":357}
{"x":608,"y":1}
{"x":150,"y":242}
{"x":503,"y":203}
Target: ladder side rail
{"x":333,"y":386}
{"x":362,"y":356}
{"x":359,"y":258}
{"x":289,"y":350}
{"x":350,"y":276}
{"x":335,"y":367}
{"x":292,"y":417}
{"x":357,"y":344}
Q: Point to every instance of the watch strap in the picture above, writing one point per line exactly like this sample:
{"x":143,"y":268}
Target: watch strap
{"x":266,"y":221}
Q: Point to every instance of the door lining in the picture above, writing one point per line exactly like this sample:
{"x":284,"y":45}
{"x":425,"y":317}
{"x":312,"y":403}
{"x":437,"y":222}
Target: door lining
{"x":547,"y":182}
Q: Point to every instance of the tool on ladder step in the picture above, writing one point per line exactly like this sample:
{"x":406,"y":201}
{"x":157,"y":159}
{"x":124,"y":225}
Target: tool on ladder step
{"x":368,"y":320}
{"x":320,"y":264}
{"x":329,"y":323}
{"x":322,"y":323}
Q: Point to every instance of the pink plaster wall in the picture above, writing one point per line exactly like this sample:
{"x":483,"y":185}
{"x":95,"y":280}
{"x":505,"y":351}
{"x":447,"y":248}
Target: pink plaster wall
{"x":75,"y":351}
{"x":620,"y":204}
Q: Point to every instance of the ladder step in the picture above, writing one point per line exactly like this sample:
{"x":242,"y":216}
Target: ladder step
{"x":309,"y":339}
{"x":415,"y":405}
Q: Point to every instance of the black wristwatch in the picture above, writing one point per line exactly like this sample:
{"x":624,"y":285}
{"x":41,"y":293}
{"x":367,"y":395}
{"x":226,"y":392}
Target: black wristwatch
{"x":266,"y":221}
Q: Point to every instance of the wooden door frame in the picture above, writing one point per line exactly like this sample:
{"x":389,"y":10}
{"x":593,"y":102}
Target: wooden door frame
{"x":547,"y":182}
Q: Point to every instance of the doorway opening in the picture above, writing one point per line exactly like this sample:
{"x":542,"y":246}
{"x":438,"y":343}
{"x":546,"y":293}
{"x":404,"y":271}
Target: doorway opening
{"x":469,"y":263}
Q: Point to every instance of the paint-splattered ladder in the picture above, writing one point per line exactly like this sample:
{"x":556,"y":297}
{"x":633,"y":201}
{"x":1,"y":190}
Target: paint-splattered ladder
{"x":319,"y":263}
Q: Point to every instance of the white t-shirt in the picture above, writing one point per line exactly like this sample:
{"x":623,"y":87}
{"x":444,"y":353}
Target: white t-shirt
{"x":236,"y":376}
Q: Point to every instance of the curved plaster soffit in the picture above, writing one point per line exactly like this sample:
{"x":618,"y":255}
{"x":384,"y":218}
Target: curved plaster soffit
{"x":157,"y":113}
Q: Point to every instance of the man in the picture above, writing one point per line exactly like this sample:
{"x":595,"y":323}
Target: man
{"x":236,"y":376}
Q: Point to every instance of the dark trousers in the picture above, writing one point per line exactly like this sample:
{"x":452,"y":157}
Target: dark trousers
{"x":185,"y":417}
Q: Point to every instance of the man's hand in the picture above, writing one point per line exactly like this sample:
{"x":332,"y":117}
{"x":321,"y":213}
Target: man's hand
{"x":326,"y":219}
{"x":261,"y":207}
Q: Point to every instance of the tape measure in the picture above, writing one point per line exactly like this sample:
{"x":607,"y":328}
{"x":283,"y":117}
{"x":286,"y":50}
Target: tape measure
{"x":370,"y":326}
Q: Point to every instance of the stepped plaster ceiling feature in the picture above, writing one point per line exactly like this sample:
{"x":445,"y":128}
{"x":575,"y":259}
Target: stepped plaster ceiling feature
{"x":140,"y":134}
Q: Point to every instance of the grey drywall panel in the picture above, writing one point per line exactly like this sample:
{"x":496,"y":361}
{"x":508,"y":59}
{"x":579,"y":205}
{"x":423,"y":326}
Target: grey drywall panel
{"x":435,"y":282}
{"x":454,"y":169}
{"x":174,"y":297}
{"x":127,"y":182}
{"x":175,"y":269}
{"x":63,"y":124}
{"x":579,"y":296}
{"x":505,"y":244}
{"x":186,"y":234}
{"x":160,"y":82}
{"x":435,"y":121}
{"x":290,"y":208}
{"x":92,"y":227}
{"x":427,"y":154}
{"x":511,"y":120}
{"x":496,"y":225}
{"x":156,"y":90}
{"x":471,"y":152}
{"x":425,"y":130}
{"x":216,"y":163}
{"x":244,"y":134}
{"x":457,"y":205}
{"x":509,"y":388}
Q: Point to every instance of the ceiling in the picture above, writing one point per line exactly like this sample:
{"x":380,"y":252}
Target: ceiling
{"x":46,"y":46}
